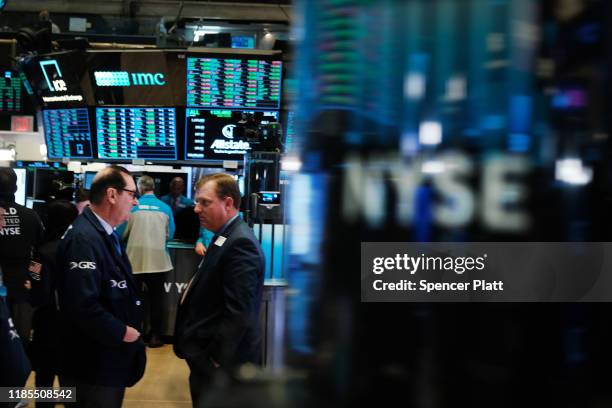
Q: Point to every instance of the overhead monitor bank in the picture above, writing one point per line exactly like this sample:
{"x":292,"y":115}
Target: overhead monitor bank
{"x":154,"y":105}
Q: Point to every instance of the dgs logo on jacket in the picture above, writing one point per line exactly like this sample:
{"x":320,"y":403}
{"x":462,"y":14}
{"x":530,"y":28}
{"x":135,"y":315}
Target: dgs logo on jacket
{"x":121,"y":284}
{"x":82,"y":265}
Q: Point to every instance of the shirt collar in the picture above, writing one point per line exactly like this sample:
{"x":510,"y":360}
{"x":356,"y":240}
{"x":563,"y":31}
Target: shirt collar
{"x":224,"y":227}
{"x":107,"y":227}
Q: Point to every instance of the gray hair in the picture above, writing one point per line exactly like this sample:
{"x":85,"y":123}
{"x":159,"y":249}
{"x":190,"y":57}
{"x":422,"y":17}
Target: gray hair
{"x":146,"y":184}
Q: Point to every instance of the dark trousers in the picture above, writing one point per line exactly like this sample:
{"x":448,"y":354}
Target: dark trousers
{"x":206,"y":385}
{"x":152,"y":295}
{"x":44,"y":378}
{"x":94,"y":396}
{"x":199,"y":387}
{"x":21,"y":313}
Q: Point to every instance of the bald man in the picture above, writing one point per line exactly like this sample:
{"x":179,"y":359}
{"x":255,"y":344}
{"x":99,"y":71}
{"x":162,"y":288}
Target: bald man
{"x":102,"y":352}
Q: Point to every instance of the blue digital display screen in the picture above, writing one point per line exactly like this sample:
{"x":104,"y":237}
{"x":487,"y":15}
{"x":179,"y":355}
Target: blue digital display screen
{"x":243,"y":41}
{"x":67,"y":133}
{"x":127,"y":133}
{"x":210,"y":133}
{"x":233,"y":83}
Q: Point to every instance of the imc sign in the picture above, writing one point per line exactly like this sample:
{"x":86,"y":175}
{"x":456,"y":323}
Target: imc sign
{"x":123,"y":78}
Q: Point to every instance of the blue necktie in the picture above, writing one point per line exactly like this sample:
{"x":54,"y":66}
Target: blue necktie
{"x":115,"y":239}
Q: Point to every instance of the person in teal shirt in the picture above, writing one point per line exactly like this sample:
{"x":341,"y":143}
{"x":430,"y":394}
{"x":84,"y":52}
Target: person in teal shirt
{"x":147,"y":232}
{"x":203,"y":241}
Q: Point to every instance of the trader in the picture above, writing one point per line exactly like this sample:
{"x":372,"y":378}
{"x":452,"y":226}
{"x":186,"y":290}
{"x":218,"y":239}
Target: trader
{"x":101,"y":352}
{"x":22,"y":232}
{"x":217,"y":325}
{"x":147,"y":232}
{"x":175,"y":198}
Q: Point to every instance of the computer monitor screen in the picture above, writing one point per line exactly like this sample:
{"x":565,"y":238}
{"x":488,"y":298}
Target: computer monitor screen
{"x":11,"y":91}
{"x":126,"y":133}
{"x":209,"y":133}
{"x":247,"y":83}
{"x":88,"y":179}
{"x":53,"y":184}
{"x":20,"y":194}
{"x":289,"y":126}
{"x":58,"y":79}
{"x":30,"y":167}
{"x":243,"y":41}
{"x":137,"y":78}
{"x":67,"y":133}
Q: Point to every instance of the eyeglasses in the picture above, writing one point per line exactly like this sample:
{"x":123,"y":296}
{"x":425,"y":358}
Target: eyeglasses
{"x":134,"y":193}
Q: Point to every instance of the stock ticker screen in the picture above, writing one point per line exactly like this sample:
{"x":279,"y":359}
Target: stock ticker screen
{"x":67,"y":133}
{"x":136,"y":133}
{"x":209,"y":133}
{"x":10,"y":91}
{"x":233,"y":83}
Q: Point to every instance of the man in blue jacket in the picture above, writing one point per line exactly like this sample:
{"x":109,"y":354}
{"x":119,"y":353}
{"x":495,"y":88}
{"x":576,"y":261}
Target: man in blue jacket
{"x":101,"y":349}
{"x":217,"y":324}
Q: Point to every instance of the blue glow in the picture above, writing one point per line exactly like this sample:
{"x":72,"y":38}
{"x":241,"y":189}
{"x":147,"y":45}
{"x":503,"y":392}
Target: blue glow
{"x":493,"y":122}
{"x":520,"y":113}
{"x":110,"y":78}
{"x":568,"y":99}
{"x":243,"y":41}
{"x":519,"y":142}
{"x":589,"y":33}
{"x":43,"y":64}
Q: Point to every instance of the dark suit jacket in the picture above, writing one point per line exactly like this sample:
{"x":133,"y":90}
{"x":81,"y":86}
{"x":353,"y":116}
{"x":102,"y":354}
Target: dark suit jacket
{"x":98,"y":298}
{"x":219,"y":317}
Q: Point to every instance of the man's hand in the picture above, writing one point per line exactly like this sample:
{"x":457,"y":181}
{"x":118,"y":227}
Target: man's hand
{"x":200,"y":249}
{"x":131,"y":334}
{"x":27,"y":284}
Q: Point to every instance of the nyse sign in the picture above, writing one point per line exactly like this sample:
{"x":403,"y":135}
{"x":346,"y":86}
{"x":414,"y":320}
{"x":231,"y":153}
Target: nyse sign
{"x":498,"y":206}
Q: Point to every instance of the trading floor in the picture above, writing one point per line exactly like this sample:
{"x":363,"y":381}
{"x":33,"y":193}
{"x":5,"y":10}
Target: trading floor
{"x":165,"y":383}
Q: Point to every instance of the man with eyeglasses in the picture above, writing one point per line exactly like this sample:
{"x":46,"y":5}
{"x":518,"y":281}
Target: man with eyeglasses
{"x":102,"y":352}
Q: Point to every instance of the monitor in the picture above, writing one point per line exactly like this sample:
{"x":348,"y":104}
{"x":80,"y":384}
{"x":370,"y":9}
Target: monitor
{"x":289,"y":126}
{"x":58,"y":79}
{"x":243,"y":41}
{"x":20,"y":194}
{"x":127,"y":133}
{"x":52,"y":184}
{"x":209,"y":133}
{"x":11,"y":92}
{"x":88,"y":179}
{"x":67,"y":133}
{"x":234,"y":83}
{"x":30,"y":167}
{"x":137,"y":78}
